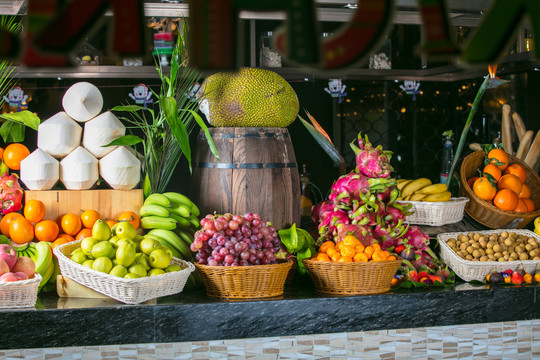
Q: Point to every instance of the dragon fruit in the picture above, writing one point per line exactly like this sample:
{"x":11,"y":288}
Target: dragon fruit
{"x":373,"y":162}
{"x":362,"y":233}
{"x":11,"y":193}
{"x":353,"y":186}
{"x":329,"y":222}
{"x":319,"y":210}
{"x":416,"y":238}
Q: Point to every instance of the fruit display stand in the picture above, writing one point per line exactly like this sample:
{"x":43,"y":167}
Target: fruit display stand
{"x":437,"y":213}
{"x":19,"y":294}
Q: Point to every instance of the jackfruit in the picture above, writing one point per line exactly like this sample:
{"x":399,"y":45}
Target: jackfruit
{"x":250,"y":97}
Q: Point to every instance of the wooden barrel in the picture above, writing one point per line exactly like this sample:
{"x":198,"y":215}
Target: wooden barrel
{"x":256,"y":172}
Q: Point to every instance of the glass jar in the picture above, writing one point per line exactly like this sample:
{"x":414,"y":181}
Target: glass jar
{"x":382,"y":59}
{"x":268,"y":57}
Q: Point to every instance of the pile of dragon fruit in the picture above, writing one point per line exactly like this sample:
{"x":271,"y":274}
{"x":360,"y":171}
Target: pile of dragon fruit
{"x":363,"y":203}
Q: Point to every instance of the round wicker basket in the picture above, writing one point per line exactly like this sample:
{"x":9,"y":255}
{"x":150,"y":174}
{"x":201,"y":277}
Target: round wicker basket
{"x":245,"y":282}
{"x":488,"y":214}
{"x":354,"y":278}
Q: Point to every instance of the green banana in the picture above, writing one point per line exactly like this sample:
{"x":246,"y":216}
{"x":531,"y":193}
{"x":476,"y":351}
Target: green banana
{"x":158,"y":222}
{"x":177,"y":198}
{"x":56,"y":271}
{"x":194,"y":221}
{"x":158,"y":199}
{"x":175,"y":240}
{"x":44,"y":257}
{"x":183,"y":222}
{"x":181,"y":210}
{"x":46,"y":275}
{"x":185,"y":236}
{"x":32,"y":253}
{"x":164,"y":242}
{"x":154,"y":210}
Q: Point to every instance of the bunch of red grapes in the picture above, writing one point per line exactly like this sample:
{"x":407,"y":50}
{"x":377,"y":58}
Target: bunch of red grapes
{"x":235,"y":240}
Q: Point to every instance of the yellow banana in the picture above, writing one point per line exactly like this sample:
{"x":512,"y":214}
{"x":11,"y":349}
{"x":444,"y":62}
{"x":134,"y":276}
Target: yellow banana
{"x":440,"y":197}
{"x":417,"y":197}
{"x":402,"y":184}
{"x":414,"y":186}
{"x":433,"y":189}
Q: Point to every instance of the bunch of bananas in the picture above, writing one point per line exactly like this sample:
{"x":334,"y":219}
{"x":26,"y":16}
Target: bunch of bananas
{"x":422,"y":189}
{"x":46,"y":263}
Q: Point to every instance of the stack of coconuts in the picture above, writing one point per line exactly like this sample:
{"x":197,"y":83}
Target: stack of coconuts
{"x":78,"y":158}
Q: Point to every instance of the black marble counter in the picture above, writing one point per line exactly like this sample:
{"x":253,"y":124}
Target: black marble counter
{"x":192,"y":316}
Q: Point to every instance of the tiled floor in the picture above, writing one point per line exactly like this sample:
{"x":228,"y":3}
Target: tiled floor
{"x":508,"y":340}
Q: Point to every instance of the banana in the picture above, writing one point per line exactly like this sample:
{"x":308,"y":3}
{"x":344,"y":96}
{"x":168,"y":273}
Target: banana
{"x":183,"y":223}
{"x":181,"y":210}
{"x":401,"y":184}
{"x":439,"y":197}
{"x":44,"y":257}
{"x":46,"y":275}
{"x":32,"y":252}
{"x":401,"y":180}
{"x":177,"y":199}
{"x":417,"y":197}
{"x":433,"y":189}
{"x":158,"y":199}
{"x":185,"y":236}
{"x":173,"y":239}
{"x":154,"y":210}
{"x":158,"y":222}
{"x":414,"y":186}
{"x":194,"y":221}
{"x":56,"y":271}
{"x":164,"y":242}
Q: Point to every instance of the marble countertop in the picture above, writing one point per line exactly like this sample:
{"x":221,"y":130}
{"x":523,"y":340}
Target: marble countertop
{"x":193,"y":316}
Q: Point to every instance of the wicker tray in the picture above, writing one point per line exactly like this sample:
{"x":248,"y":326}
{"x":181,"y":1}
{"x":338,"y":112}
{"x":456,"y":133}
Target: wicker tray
{"x":477,"y":270}
{"x":488,"y":214}
{"x":437,"y":213}
{"x":19,"y":294}
{"x":355,"y":278}
{"x":128,"y":291}
{"x":245,"y":282}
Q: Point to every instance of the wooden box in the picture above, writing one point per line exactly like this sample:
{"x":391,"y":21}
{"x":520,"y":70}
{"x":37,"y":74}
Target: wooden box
{"x":109,"y":203}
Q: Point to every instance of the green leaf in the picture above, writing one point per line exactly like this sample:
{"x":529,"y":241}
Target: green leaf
{"x":170,"y":109}
{"x":204,"y":128}
{"x":126,"y":140}
{"x":16,"y":134}
{"x":5,"y":130}
{"x":147,"y":187}
{"x":294,"y":237}
{"x":324,"y":143}
{"x":130,"y":108}
{"x":24,"y":117}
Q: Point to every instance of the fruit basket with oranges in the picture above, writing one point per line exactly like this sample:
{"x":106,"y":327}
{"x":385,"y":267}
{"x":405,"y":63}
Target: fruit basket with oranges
{"x":507,"y":197}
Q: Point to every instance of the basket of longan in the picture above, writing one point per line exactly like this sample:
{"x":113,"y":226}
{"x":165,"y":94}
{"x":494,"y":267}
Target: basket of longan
{"x":512,"y":203}
{"x":474,"y":255}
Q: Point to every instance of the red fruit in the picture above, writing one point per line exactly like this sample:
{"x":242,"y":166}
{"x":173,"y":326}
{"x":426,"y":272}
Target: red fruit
{"x":11,"y":193}
{"x":423,"y":274}
{"x":398,"y":249}
{"x":517,"y":278}
{"x":414,"y":275}
{"x":434,"y":278}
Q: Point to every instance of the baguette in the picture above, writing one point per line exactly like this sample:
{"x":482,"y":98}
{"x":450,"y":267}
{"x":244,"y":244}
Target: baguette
{"x":533,"y":156}
{"x":519,"y":125}
{"x":524,"y":144}
{"x":506,"y":129}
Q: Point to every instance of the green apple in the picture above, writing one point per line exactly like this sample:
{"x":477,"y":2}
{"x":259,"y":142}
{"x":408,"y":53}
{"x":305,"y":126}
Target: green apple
{"x":115,"y":262}
{"x":87,"y":244}
{"x":125,"y":241}
{"x":142,"y":259}
{"x":173,"y":267}
{"x":159,"y":259}
{"x":114,"y":239}
{"x":119,"y":271}
{"x":125,"y":254}
{"x":103,"y":248}
{"x":103,"y":264}
{"x":167,"y":250}
{"x":78,"y":256}
{"x":148,"y":245}
{"x":125,"y":230}
{"x":88,"y":263}
{"x":131,"y":276}
{"x":155,"y":271}
{"x":101,"y":230}
{"x":138,"y":269}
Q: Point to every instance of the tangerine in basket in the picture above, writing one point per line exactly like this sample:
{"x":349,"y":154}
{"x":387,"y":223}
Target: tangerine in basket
{"x":345,"y":259}
{"x":499,"y":157}
{"x":322,"y":257}
{"x":518,"y":170}
{"x":471,"y":180}
{"x":21,"y":230}
{"x":34,"y":210}
{"x":510,"y":181}
{"x":369,"y":250}
{"x":493,"y":170}
{"x":525,"y":192}
{"x":376,"y":246}
{"x":347,"y":251}
{"x":350,"y":240}
{"x":530,"y":205}
{"x":521,"y":206}
{"x":483,"y":189}
{"x":89,"y":217}
{"x":335,"y":256}
{"x":359,"y":248}
{"x":360,"y":257}
{"x":6,"y":220}
{"x":506,"y":199}
{"x":326,"y":245}
{"x":46,"y":230}
{"x":380,"y":255}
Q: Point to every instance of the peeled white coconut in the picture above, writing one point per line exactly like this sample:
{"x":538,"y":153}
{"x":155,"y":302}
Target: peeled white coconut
{"x":79,"y":170}
{"x":59,"y":135}
{"x":100,"y":131}
{"x":120,"y":169}
{"x":82,"y":101}
{"x":39,"y":170}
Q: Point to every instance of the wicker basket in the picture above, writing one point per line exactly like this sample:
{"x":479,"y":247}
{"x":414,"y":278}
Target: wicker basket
{"x":488,"y":214}
{"x":437,"y":213}
{"x":128,"y":291}
{"x":477,"y":270}
{"x":245,"y":282}
{"x":355,"y":278}
{"x":19,"y":294}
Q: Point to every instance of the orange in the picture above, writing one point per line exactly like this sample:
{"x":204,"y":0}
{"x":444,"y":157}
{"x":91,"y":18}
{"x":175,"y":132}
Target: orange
{"x":345,"y":259}
{"x":14,"y":154}
{"x":391,"y":258}
{"x":1,"y":153}
{"x":6,"y":220}
{"x":359,"y":248}
{"x":518,"y":170}
{"x":66,"y":236}
{"x":34,"y":210}
{"x":47,"y":230}
{"x":510,"y":181}
{"x":21,"y":231}
{"x":89,"y":217}
{"x":483,"y":189}
{"x":521,"y":206}
{"x":335,"y":256}
{"x":347,"y":250}
{"x":493,"y":171}
{"x":369,"y":250}
{"x":131,"y":217}
{"x":376,"y":246}
{"x":110,"y":223}
{"x":84,"y":233}
{"x":339,"y":244}
{"x":360,"y":257}
{"x":530,"y":205}
{"x":331,"y":251}
{"x":59,"y":241}
{"x":322,"y":257}
{"x":525,"y":192}
{"x":506,"y":199}
{"x":379,"y":255}
{"x":71,"y":224}
{"x":498,"y":155}
{"x":326,"y":245}
{"x":471,"y":180}
{"x":350,"y":240}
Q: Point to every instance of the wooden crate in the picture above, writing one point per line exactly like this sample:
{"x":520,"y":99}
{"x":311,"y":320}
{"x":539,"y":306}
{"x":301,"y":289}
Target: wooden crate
{"x":109,"y":203}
